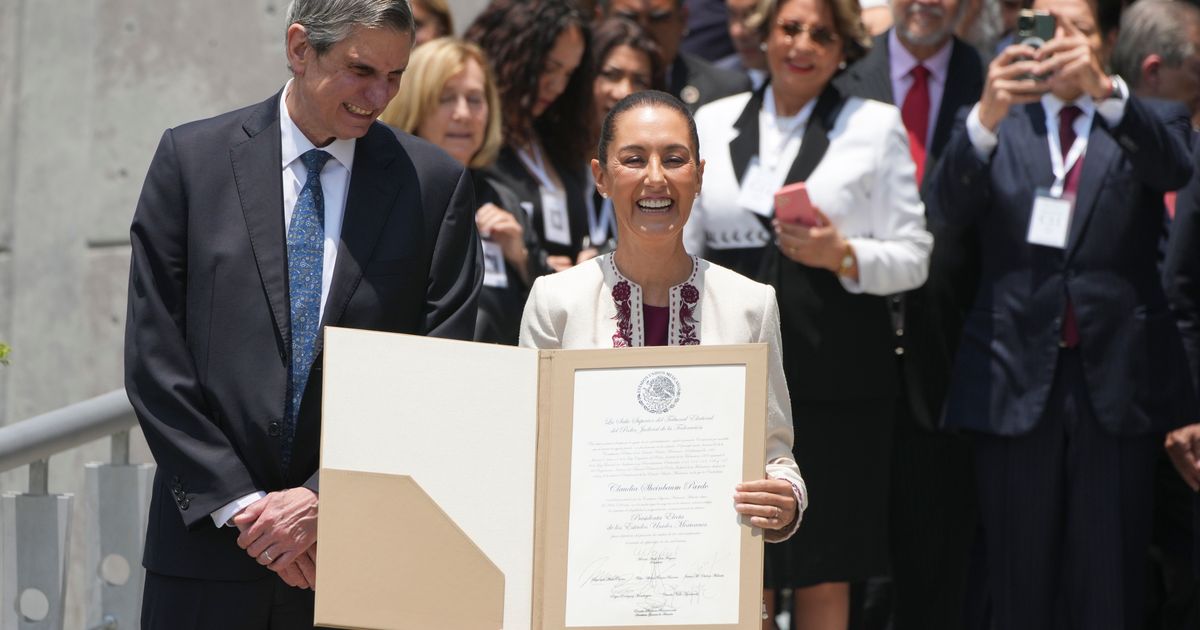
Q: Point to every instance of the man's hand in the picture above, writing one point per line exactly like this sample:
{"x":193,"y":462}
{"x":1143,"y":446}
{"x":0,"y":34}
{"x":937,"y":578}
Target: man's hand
{"x":1009,"y":83}
{"x":279,"y":529}
{"x":770,"y":503}
{"x":1071,"y":62}
{"x":1183,"y":445}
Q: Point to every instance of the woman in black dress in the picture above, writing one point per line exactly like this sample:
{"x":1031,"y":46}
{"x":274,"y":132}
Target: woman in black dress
{"x":537,"y":49}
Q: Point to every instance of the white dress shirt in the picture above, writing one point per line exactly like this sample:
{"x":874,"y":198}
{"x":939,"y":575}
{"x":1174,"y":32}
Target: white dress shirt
{"x":865,"y":184}
{"x":902,"y":64}
{"x":1112,"y":110}
{"x":335,"y":186}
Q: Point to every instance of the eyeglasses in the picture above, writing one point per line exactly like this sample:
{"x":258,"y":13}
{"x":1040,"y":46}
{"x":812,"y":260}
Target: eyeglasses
{"x":819,"y":35}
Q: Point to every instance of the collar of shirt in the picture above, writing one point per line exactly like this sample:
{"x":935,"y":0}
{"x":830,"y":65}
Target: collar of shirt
{"x":295,"y":143}
{"x":780,"y":136}
{"x":903,"y":62}
{"x":1052,"y":105}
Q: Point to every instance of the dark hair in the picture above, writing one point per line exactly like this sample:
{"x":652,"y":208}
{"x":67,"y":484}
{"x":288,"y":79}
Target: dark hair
{"x":615,"y":32}
{"x":648,"y":98}
{"x":517,"y":36}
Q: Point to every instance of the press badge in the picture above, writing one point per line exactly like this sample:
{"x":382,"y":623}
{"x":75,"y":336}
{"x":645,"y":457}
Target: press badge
{"x":555,"y":224}
{"x":1050,"y":221}
{"x":757,"y":193}
{"x":494,"y":274}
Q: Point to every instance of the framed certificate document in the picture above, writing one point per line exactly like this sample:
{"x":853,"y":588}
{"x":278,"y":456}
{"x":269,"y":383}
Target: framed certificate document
{"x":595,"y":485}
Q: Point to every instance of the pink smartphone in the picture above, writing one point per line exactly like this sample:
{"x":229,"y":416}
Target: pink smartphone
{"x":792,"y":205}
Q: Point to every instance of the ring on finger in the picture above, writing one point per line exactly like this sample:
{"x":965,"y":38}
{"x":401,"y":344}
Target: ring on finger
{"x":267,"y":556}
{"x":778,"y":513}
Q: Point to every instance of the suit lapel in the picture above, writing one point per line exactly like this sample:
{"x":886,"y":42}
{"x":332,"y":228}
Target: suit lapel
{"x":745,"y":145}
{"x":368,"y":205}
{"x":963,"y":87}
{"x":1102,"y":150}
{"x":816,"y":134}
{"x":257,"y":174}
{"x":876,"y":72}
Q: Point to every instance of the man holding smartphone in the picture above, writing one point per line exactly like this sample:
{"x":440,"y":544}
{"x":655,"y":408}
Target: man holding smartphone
{"x":1070,"y":370}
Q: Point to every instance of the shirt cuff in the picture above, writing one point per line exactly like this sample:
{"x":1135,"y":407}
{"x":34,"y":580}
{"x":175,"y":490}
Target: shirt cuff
{"x":798,"y":492}
{"x":983,"y":140}
{"x":222,"y":516}
{"x":1112,"y":110}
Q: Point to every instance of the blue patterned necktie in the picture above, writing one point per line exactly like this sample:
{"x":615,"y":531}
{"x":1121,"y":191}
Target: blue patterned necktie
{"x":306,"y":255}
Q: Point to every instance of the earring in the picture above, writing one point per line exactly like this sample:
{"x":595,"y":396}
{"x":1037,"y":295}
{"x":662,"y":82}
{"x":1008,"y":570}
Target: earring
{"x":763,"y":47}
{"x":842,"y":66}
{"x":604,"y":195}
{"x":697,"y":194}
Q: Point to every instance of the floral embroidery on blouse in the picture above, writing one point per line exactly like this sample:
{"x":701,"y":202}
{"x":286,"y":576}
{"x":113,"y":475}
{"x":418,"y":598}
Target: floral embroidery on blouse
{"x":685,"y":298}
{"x":689,"y":296}
{"x":623,"y":338}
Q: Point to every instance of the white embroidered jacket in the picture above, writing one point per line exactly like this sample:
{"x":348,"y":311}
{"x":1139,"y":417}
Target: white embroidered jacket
{"x":593,"y":306}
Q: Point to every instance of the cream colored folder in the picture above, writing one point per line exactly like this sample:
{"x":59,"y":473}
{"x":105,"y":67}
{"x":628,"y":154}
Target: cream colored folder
{"x":445,"y":472}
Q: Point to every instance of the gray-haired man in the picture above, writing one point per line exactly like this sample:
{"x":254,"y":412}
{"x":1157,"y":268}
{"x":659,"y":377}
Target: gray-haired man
{"x":254,"y":230}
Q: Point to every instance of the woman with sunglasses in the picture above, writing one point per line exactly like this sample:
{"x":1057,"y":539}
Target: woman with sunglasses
{"x":832,"y":257}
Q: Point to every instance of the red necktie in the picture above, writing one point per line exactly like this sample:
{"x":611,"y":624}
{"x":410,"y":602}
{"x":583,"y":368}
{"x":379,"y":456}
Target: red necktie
{"x":915,"y":113}
{"x":1169,"y":201}
{"x":1066,"y":138}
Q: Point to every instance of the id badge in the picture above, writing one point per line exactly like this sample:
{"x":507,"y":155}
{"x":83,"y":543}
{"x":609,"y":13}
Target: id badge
{"x":555,"y":224}
{"x":494,"y":274}
{"x":1050,"y":221}
{"x":757,"y":192}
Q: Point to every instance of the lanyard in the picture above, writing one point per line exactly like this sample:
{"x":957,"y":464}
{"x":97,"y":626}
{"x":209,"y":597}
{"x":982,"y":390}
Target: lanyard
{"x":533,"y":160}
{"x":1060,"y":166}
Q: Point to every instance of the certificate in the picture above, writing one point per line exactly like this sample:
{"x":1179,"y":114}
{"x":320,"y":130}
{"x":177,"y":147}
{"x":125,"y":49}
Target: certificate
{"x":654,"y":539}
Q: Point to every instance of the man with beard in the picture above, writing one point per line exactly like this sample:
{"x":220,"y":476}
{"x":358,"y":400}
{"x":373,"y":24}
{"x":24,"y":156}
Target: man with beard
{"x":920,"y":66}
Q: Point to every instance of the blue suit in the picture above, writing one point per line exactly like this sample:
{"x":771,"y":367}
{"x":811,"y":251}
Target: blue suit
{"x":1065,"y":438}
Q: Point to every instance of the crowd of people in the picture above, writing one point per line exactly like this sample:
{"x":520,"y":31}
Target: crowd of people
{"x":959,"y":389}
{"x":985,"y":327}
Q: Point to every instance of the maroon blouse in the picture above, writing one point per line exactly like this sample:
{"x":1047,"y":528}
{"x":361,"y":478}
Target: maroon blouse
{"x":658,"y":324}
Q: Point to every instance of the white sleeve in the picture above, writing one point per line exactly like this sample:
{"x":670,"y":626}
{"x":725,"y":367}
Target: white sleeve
{"x":222,"y":516}
{"x":781,"y":463}
{"x":537,"y":330}
{"x":895,"y":257}
{"x":983,"y":140}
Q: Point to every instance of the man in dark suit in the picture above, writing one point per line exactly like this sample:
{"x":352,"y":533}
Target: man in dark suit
{"x":691,"y":78}
{"x":1156,"y":52}
{"x":1070,"y":369}
{"x":920,"y":66}
{"x":254,"y":230}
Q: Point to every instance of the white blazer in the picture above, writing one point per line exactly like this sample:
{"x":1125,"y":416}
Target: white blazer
{"x":581,"y":308}
{"x":865,"y":184}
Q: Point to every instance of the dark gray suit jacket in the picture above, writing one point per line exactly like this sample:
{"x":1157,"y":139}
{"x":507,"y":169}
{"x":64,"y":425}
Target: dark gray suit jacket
{"x":207,"y":341}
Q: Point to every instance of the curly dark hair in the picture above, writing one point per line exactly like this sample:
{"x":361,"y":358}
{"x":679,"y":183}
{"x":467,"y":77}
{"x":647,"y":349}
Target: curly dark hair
{"x":517,"y":37}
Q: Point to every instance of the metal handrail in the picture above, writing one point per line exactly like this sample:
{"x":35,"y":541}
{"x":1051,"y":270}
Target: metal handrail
{"x":39,"y":437}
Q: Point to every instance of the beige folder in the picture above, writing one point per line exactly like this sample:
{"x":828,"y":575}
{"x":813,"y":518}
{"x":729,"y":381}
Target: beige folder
{"x":445,"y":480}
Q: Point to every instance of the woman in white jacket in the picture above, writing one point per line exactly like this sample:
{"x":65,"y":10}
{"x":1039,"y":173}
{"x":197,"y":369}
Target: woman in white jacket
{"x":650,"y":291}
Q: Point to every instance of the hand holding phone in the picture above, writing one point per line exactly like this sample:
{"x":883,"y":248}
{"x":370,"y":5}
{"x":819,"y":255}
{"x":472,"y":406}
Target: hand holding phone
{"x":792,"y":205}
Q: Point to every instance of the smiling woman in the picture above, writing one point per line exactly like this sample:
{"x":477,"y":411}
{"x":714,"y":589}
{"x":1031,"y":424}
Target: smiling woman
{"x":448,"y":97}
{"x":651,"y":292}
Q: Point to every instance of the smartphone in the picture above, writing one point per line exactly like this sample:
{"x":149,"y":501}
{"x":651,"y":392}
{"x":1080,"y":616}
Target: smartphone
{"x":1035,"y":28}
{"x":792,"y":205}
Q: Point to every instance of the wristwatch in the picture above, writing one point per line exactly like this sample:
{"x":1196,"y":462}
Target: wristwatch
{"x":1115,"y":89}
{"x":848,"y":261}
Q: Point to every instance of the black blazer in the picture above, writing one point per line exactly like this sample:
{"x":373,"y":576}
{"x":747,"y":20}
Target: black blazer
{"x":207,"y":341}
{"x":500,"y":309}
{"x":1132,"y":357}
{"x":1181,"y":270}
{"x":697,"y":82}
{"x":512,"y":174}
{"x":928,"y":322}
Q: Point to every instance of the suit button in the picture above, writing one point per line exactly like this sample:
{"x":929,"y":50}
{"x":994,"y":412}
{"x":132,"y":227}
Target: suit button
{"x":273,"y":429}
{"x":899,"y":332}
{"x":899,"y":351}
